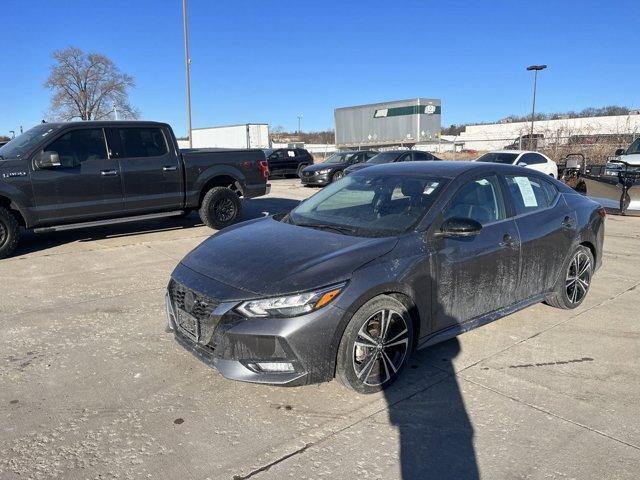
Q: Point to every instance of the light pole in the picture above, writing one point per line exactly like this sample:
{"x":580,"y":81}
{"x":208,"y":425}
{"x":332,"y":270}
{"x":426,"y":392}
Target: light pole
{"x":299,"y":123}
{"x":187,"y":65}
{"x":535,"y":68}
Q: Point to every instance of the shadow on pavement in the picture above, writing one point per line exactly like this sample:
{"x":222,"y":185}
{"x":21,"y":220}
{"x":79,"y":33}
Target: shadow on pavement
{"x":253,"y":208}
{"x":436,"y":436}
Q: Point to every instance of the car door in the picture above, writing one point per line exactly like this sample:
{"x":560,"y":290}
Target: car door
{"x":277,"y":160}
{"x":547,"y":228}
{"x":85,"y":185}
{"x":476,"y":275}
{"x":151,"y":173}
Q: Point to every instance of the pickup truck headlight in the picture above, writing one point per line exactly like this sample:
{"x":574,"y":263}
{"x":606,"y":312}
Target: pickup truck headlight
{"x":324,"y":171}
{"x":290,"y":305}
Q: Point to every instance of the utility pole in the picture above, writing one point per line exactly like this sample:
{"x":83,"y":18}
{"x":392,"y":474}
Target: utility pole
{"x":535,"y":69}
{"x":299,"y":123}
{"x":187,"y":67}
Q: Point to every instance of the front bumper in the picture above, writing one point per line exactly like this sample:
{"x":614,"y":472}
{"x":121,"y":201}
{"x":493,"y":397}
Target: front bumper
{"x":236,"y":345}
{"x":315,"y":179}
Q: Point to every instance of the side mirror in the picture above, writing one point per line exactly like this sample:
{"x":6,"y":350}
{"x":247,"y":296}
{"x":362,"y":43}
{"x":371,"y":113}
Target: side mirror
{"x":522,"y":164}
{"x":620,"y":151}
{"x":48,"y":159}
{"x":459,"y":227}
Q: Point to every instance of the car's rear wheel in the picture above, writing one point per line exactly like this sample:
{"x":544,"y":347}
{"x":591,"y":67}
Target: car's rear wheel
{"x":337,"y":176}
{"x":575,"y":280}
{"x":220,"y":208}
{"x":375,"y":345}
{"x":9,"y":233}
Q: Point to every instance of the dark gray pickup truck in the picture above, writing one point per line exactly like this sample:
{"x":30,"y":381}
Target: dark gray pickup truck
{"x":61,"y":176}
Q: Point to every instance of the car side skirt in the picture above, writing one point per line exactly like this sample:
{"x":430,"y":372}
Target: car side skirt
{"x":455,"y":330}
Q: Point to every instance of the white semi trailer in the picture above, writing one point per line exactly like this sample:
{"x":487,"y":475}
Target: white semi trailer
{"x":247,"y":135}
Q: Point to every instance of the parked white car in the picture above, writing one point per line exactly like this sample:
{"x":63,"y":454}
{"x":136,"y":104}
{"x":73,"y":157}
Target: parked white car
{"x":524,"y":158}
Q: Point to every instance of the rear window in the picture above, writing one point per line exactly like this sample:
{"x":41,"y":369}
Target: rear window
{"x":141,"y":142}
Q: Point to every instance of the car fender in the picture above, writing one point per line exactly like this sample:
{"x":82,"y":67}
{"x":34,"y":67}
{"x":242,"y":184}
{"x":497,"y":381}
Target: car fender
{"x":384,"y":271}
{"x":18,"y":201}
{"x":211,"y":173}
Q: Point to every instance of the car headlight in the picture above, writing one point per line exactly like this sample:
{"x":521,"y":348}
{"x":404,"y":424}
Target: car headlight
{"x":290,"y":305}
{"x":324,"y":171}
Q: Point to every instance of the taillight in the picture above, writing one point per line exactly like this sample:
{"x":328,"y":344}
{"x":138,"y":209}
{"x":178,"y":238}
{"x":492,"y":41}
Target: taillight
{"x":602,"y":212}
{"x":263,"y":165}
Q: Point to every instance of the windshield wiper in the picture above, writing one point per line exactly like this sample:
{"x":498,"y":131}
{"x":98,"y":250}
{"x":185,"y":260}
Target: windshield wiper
{"x":324,"y":226}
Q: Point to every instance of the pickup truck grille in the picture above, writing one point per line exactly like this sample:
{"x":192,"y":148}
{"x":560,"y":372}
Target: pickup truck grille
{"x":191,"y":301}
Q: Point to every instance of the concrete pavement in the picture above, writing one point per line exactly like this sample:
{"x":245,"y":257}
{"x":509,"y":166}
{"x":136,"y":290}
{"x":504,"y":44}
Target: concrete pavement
{"x":91,"y":387}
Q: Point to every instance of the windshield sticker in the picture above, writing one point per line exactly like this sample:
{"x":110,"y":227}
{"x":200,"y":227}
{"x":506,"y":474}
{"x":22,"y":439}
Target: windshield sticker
{"x":528,"y":197}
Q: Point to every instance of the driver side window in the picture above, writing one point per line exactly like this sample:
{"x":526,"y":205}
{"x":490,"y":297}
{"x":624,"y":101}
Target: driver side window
{"x":480,"y":200}
{"x":78,"y":146}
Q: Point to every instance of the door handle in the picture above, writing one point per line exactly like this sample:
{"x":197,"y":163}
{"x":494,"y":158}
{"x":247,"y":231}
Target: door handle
{"x":108,"y":173}
{"x":172,"y":168}
{"x":508,"y":241}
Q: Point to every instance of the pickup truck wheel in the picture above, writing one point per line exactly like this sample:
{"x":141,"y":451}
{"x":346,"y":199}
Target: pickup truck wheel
{"x":9,"y":233}
{"x":220,"y":208}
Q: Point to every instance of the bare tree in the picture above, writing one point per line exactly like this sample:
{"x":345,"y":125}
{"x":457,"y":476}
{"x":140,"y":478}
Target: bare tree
{"x":88,"y":86}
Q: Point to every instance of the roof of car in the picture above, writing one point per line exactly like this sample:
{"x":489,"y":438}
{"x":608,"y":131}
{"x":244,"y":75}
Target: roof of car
{"x":442,"y":168}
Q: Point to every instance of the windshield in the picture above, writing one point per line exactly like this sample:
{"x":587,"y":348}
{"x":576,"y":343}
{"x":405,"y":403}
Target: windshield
{"x":498,"y":157}
{"x":370,"y":205}
{"x":24,"y":143}
{"x":634,"y":147}
{"x":339,"y":158}
{"x":384,"y":157}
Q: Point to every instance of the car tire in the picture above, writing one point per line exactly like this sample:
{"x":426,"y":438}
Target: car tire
{"x":220,"y":208}
{"x":575,"y":280}
{"x":337,"y":176}
{"x":9,"y":232}
{"x":369,"y":361}
{"x":302,"y":167}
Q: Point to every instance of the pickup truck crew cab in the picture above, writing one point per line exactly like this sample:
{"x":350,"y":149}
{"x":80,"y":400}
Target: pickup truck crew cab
{"x":60,"y":176}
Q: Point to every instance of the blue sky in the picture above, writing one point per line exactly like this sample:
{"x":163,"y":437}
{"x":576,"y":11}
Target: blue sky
{"x":268,"y":61}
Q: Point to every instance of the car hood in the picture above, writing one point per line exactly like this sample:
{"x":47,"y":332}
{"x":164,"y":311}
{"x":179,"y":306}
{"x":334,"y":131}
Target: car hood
{"x":267,"y":257}
{"x":321,"y":166}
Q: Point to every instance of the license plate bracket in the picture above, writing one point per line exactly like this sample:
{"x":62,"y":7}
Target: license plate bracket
{"x":188,"y":324}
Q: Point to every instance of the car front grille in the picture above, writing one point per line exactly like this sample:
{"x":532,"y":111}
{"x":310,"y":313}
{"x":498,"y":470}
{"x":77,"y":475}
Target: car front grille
{"x":191,"y":301}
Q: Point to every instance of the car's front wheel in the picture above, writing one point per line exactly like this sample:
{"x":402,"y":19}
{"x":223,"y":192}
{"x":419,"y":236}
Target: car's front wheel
{"x":337,"y":176}
{"x":9,"y":233}
{"x":375,"y":345}
{"x":575,"y":280}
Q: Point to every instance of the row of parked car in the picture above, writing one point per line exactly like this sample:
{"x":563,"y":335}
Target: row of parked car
{"x":300,"y":162}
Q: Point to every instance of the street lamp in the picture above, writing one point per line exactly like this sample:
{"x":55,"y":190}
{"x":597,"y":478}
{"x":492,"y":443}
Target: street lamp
{"x":187,"y":65}
{"x":299,"y":122}
{"x":535,"y":68}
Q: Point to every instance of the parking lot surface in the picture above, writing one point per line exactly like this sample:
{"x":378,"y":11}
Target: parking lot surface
{"x":92,"y":387}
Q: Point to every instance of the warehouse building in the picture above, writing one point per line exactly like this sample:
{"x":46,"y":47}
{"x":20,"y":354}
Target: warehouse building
{"x":617,"y":128}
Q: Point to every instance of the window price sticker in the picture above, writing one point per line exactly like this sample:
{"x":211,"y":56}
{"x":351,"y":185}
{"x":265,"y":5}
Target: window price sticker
{"x":526,"y":190}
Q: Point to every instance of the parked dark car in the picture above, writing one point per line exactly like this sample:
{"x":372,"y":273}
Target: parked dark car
{"x":386,"y":260}
{"x":61,"y":176}
{"x":287,"y":161}
{"x":392,"y":156}
{"x":332,"y":169}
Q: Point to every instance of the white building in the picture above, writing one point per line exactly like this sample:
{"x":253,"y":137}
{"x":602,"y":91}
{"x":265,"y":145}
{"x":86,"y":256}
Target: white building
{"x":497,"y":136}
